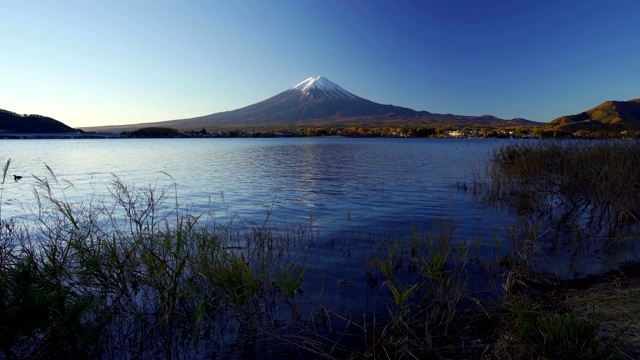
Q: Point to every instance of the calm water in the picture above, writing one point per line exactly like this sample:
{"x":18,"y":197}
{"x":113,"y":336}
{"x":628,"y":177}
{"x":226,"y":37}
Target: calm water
{"x":385,"y":185}
{"x":376,"y":188}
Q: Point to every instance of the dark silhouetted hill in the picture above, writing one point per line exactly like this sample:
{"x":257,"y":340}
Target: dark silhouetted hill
{"x":11,"y":122}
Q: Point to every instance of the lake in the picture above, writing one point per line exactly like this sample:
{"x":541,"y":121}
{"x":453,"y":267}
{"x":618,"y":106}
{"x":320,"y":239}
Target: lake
{"x":363,"y":236}
{"x":381,"y":185}
{"x":334,"y":187}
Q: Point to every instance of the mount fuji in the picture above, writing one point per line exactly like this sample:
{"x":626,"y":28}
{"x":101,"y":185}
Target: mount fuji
{"x":316,"y":98}
{"x":317,"y":101}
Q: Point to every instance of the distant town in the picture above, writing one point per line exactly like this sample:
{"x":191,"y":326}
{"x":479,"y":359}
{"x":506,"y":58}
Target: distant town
{"x":405,"y":132}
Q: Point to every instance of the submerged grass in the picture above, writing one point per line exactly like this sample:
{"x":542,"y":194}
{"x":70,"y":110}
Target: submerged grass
{"x":426,"y":278}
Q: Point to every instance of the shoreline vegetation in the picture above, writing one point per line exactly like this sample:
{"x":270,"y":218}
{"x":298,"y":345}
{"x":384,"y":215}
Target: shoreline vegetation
{"x":353,"y":132}
{"x":383,"y":132}
{"x":395,"y":132}
{"x":134,"y":275}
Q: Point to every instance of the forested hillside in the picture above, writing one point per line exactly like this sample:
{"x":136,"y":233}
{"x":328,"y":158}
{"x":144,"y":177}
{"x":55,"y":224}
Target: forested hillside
{"x":15,"y":123}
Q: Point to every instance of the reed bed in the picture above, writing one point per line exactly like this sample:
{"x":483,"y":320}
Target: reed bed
{"x":593,"y":185}
{"x":133,"y":275}
{"x":133,"y":278}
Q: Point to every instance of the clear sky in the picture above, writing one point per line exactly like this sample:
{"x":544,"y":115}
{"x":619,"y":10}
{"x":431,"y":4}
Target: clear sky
{"x":89,"y":63}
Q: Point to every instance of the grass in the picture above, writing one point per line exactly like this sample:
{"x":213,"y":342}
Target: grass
{"x":566,"y":336}
{"x":135,"y":276}
{"x":129,"y":277}
{"x":558,"y":325}
{"x":614,"y":305}
{"x":133,"y":282}
{"x":591,"y":184}
{"x":426,"y":278}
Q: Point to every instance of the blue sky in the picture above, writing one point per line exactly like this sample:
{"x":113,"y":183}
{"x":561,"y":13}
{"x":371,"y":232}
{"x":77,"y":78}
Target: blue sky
{"x":89,"y":63}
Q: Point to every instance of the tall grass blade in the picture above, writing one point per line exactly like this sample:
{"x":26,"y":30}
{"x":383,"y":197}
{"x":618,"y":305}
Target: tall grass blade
{"x":5,"y":170}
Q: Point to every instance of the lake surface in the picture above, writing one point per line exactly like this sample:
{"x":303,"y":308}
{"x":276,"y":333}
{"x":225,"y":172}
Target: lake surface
{"x":348,"y":195}
{"x":335,"y":187}
{"x":381,"y":185}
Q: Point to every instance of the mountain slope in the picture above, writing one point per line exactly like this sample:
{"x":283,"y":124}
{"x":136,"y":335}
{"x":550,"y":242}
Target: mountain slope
{"x":314,"y":98}
{"x":319,"y":102}
{"x":11,"y":122}
{"x":608,"y":116}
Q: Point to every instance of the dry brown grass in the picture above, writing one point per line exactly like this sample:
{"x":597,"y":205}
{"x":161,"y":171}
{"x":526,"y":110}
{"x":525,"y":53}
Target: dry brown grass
{"x":610,"y":301}
{"x":592,"y":183}
{"x":616,"y":306}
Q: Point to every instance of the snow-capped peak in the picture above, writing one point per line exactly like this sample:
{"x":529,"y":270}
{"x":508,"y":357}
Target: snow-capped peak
{"x":323,"y":85}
